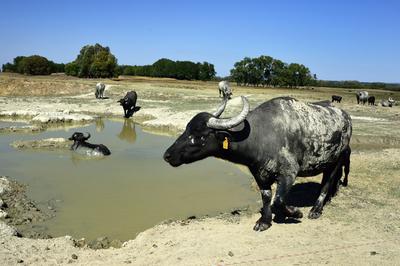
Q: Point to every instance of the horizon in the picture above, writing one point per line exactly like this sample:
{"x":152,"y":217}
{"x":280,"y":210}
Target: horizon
{"x":337,"y":41}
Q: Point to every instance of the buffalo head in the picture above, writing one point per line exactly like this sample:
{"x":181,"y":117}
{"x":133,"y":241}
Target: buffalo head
{"x":204,"y":135}
{"x":78,"y":136}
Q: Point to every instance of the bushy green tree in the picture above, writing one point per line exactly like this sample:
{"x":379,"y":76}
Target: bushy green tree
{"x":167,"y":68}
{"x":33,"y":65}
{"x":266,"y":71}
{"x":93,"y":61}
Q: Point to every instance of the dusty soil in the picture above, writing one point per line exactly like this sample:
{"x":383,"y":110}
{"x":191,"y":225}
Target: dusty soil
{"x":361,"y":226}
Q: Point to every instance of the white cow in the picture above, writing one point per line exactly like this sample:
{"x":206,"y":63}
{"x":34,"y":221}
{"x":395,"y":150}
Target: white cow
{"x":362,"y":97}
{"x":224,"y":89}
{"x":99,"y":93}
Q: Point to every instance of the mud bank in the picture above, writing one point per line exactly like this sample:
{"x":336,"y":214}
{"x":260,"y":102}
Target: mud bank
{"x":46,"y":144}
{"x":19,"y":212}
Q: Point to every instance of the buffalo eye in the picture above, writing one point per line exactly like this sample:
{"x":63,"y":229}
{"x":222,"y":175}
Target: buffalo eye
{"x":192,"y":140}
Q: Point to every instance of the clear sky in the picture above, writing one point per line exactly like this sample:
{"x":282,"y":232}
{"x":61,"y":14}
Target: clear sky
{"x":337,"y":40}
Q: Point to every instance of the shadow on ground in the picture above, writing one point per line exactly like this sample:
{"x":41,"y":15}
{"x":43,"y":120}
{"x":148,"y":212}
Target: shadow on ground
{"x":303,"y":194}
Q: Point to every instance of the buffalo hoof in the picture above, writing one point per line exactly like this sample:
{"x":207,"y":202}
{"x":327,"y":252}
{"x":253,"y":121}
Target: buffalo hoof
{"x":293,"y":212}
{"x":261,"y":225}
{"x":344,"y":182}
{"x":314,"y":215}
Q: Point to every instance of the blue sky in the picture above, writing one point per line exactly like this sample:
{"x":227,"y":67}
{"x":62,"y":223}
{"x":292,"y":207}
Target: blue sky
{"x":337,"y":40}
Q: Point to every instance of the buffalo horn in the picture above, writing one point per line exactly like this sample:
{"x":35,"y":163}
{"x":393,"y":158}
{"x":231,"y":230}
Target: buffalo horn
{"x":227,"y":123}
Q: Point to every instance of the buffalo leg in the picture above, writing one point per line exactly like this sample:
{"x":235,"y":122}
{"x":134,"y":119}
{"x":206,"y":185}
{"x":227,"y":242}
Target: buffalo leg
{"x":265,"y":220}
{"x":279,"y":207}
{"x":346,"y":166}
{"x":328,"y":181}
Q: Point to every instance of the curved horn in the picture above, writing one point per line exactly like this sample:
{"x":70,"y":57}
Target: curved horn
{"x":87,"y":136}
{"x":221,"y":108}
{"x":226,"y":123}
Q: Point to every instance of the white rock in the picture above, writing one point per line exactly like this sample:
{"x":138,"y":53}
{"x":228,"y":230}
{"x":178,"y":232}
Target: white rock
{"x":6,"y":230}
{"x":3,"y":214}
{"x":4,"y":185}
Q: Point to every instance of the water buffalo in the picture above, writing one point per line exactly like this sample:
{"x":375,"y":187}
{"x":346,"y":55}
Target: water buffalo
{"x":371,"y":100}
{"x":336,"y":98}
{"x":224,"y":89}
{"x":362,"y":97}
{"x":129,"y":104}
{"x":279,"y":140}
{"x":99,"y":93}
{"x":86,"y":148}
{"x":388,"y":103}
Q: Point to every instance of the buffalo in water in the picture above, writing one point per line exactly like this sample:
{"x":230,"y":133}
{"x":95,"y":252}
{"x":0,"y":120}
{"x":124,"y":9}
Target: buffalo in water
{"x":128,"y":103}
{"x":278,"y":141}
{"x":81,"y":145}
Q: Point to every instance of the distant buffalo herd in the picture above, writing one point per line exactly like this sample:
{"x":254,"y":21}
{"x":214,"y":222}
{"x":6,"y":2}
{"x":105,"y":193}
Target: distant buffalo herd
{"x":364,"y":97}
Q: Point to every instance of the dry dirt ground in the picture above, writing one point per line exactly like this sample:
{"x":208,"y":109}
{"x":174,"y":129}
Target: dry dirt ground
{"x":361,"y":226}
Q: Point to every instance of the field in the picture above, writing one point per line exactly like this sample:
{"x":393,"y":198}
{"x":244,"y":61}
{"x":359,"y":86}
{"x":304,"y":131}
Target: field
{"x":360,"y":226}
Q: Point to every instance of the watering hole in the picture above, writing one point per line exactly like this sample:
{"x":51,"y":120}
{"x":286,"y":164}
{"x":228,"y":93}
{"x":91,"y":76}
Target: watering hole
{"x":123,"y":194}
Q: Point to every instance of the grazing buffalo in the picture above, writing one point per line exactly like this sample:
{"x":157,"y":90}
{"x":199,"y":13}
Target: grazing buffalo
{"x":371,"y":100}
{"x":336,"y":98}
{"x":99,"y":93}
{"x":86,"y":148}
{"x":224,"y":89}
{"x":278,"y":141}
{"x":129,"y":104}
{"x":362,"y":97}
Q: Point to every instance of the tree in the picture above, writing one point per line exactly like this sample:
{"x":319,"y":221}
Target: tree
{"x":266,"y":71}
{"x":93,"y":61}
{"x":33,"y":65}
{"x":206,"y":71}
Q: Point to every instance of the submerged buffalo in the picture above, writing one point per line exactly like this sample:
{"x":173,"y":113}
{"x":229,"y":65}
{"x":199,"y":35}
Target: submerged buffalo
{"x":278,"y":141}
{"x":81,"y":145}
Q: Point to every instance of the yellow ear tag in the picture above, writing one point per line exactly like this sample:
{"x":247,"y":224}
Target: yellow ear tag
{"x":225,"y":144}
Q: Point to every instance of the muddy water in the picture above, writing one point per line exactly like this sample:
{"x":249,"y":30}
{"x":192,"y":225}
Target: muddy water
{"x":127,"y":192}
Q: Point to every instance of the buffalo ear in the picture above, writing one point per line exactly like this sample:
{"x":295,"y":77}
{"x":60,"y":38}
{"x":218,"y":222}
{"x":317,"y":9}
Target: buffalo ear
{"x":221,"y":135}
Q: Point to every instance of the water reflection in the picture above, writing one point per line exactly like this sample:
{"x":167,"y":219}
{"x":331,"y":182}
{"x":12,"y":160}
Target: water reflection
{"x":99,"y":124}
{"x":128,"y":132}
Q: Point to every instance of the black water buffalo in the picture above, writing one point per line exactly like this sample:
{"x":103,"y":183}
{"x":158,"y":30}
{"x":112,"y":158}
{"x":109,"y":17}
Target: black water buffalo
{"x":279,"y":140}
{"x":371,"y":100}
{"x":129,"y":104}
{"x":336,"y":98}
{"x":87,"y":148}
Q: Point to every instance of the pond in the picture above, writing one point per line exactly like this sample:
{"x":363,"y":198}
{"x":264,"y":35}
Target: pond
{"x":123,"y":194}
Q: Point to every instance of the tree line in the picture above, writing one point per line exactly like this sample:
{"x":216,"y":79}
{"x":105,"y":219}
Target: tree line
{"x":33,"y":65}
{"x":166,"y":68}
{"x":96,"y":61}
{"x":267,"y":71}
{"x":354,"y":84}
